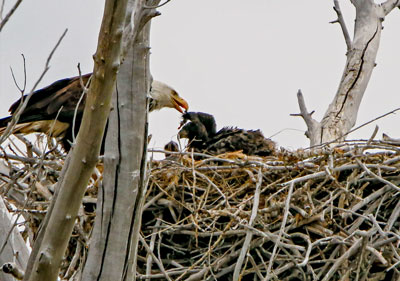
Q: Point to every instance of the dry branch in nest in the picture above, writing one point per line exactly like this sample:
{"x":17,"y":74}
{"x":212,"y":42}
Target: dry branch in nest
{"x":27,"y":181}
{"x":318,"y":216}
{"x":322,"y":215}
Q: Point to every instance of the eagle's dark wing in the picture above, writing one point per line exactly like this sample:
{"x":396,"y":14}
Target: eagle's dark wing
{"x":39,"y":115}
{"x":45,"y":103}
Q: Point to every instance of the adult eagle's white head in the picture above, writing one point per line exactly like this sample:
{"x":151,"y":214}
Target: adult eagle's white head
{"x":162,"y":95}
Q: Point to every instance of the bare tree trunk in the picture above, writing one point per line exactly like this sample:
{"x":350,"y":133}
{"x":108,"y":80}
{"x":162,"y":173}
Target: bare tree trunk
{"x":113,"y":248}
{"x":341,"y":114}
{"x":48,"y":255}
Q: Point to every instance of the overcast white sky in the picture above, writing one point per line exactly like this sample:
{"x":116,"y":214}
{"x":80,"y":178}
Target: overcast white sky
{"x":242,"y":61}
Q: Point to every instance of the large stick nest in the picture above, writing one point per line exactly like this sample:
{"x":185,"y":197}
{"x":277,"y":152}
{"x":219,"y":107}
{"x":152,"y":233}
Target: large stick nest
{"x":330,"y":214}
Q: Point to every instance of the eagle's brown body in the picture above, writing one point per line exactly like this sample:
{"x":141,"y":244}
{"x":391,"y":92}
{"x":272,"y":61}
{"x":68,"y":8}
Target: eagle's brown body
{"x":60,"y":98}
{"x":51,"y":110}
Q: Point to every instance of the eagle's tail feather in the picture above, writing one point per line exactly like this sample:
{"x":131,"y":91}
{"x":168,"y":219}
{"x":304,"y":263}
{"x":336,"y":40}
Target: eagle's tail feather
{"x":51,"y":127}
{"x":18,"y":128}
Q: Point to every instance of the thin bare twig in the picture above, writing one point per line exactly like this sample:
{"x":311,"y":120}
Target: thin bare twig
{"x":355,"y":129}
{"x":22,"y":106}
{"x":9,"y":14}
{"x":157,"y":6}
{"x":151,"y":247}
{"x":3,"y":2}
{"x":30,"y":189}
{"x":342,"y":23}
{"x":156,"y":260}
{"x":84,"y":92}
{"x":22,"y":90}
{"x":369,"y":172}
{"x":393,"y":217}
{"x":285,"y":216}
{"x":249,"y":234}
{"x":350,"y":252}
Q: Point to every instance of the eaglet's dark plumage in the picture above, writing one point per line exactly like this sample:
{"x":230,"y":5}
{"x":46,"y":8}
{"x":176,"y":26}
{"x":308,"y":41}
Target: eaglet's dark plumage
{"x":200,"y":129}
{"x":61,"y":98}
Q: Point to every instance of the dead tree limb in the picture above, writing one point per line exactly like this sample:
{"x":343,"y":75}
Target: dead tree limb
{"x":84,"y":156}
{"x":341,"y":114}
{"x":112,"y":253}
{"x":342,"y":23}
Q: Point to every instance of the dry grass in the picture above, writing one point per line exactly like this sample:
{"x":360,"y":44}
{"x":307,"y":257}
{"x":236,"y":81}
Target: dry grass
{"x":327,"y":215}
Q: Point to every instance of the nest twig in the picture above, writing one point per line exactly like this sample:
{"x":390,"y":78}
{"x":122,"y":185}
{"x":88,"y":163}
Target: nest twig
{"x":321,"y":215}
{"x":303,"y":215}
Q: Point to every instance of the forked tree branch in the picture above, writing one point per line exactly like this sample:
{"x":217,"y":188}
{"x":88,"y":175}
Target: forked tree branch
{"x":341,"y":115}
{"x":303,"y":110}
{"x":342,"y":23}
{"x":389,"y":5}
{"x":312,"y":124}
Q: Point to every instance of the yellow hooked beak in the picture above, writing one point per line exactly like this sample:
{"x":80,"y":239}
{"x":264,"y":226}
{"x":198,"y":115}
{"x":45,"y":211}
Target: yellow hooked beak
{"x":179,"y":103}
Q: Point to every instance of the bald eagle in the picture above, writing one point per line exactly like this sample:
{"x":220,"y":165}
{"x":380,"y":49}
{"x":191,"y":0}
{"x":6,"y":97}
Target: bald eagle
{"x":62,"y":97}
{"x":200,"y":129}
